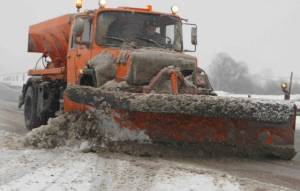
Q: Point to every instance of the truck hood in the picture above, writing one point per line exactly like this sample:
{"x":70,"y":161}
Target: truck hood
{"x":146,"y":63}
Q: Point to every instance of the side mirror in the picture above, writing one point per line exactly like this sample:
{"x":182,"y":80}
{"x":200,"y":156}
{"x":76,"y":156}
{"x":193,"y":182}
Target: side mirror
{"x":194,"y":36}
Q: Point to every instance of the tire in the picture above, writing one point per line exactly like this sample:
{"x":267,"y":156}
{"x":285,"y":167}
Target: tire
{"x":32,"y":120}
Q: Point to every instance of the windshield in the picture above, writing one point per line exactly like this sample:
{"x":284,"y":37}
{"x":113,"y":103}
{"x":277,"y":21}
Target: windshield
{"x":140,"y":30}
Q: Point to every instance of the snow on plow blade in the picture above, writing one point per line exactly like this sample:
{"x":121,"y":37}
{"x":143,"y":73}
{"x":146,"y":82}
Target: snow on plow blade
{"x":242,"y":127}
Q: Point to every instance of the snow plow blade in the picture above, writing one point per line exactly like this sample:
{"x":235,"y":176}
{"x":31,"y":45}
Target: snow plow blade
{"x":222,"y":125}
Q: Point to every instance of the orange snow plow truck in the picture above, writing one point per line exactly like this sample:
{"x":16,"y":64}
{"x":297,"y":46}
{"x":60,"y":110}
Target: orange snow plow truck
{"x":133,"y":61}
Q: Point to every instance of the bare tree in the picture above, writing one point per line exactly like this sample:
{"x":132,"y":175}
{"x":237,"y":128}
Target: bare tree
{"x":226,"y":74}
{"x":229,"y":75}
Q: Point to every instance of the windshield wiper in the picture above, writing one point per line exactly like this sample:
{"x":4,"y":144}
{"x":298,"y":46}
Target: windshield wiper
{"x":115,"y":38}
{"x":121,"y":40}
{"x":150,"y":40}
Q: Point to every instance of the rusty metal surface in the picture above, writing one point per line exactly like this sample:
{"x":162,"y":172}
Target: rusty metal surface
{"x":198,"y":129}
{"x":51,"y":37}
{"x":187,"y":124}
{"x":52,"y":71}
{"x":213,"y":133}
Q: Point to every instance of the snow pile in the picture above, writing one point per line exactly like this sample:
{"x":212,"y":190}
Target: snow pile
{"x":63,"y":130}
{"x":112,"y":131}
{"x":294,"y":98}
{"x":90,"y":130}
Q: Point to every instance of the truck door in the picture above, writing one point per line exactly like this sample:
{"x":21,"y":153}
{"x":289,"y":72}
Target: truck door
{"x":79,"y":51}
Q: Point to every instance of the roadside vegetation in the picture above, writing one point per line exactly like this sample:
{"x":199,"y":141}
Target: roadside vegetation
{"x":227,"y":74}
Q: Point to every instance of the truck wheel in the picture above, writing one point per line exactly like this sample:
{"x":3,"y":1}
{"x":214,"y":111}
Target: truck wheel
{"x":30,"y":110}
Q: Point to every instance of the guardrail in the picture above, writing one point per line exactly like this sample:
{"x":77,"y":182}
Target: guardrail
{"x":16,"y":79}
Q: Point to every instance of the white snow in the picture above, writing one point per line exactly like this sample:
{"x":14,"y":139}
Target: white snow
{"x":65,"y":170}
{"x":114,"y":132}
{"x":294,"y":98}
{"x":189,"y":181}
{"x":57,"y":175}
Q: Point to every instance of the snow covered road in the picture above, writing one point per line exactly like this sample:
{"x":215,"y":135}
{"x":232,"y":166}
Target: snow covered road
{"x":65,"y":169}
{"x":71,"y":170}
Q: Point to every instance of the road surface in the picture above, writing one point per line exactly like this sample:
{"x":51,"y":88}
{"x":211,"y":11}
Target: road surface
{"x":68,"y":169}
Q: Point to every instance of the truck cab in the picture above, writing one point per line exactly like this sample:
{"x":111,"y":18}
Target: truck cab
{"x":124,"y":28}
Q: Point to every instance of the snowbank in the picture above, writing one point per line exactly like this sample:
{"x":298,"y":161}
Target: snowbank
{"x":295,"y":97}
{"x":78,"y":128}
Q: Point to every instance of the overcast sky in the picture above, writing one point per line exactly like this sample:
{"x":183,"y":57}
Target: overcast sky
{"x":263,"y":33}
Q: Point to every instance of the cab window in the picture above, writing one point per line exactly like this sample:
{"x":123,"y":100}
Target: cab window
{"x":86,"y":35}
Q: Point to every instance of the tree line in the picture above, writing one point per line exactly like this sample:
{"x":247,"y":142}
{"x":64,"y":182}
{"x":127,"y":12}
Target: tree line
{"x":227,"y":74}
